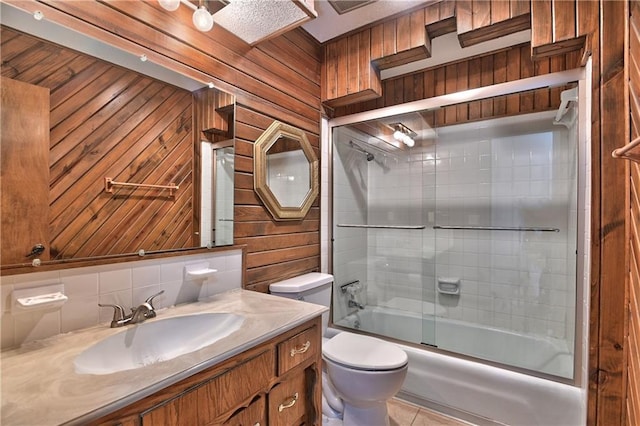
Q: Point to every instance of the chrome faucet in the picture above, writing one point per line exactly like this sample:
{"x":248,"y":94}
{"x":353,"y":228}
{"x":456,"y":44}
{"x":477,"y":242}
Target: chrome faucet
{"x":137,"y":315}
{"x":354,"y":304}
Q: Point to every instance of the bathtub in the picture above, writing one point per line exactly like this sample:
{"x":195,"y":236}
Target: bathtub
{"x":481,"y":390}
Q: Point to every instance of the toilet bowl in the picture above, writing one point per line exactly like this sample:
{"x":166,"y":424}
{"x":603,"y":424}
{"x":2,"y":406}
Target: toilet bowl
{"x":360,"y":373}
{"x":365,"y":372}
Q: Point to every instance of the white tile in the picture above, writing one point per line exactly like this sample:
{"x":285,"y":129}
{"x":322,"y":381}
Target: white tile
{"x":140,"y":294}
{"x":7,"y":331}
{"x":36,"y":325}
{"x":114,"y":280}
{"x":5,"y":294}
{"x":171,"y":271}
{"x":79,"y":312}
{"x":145,"y":276}
{"x":36,"y":279}
{"x":85,"y":284}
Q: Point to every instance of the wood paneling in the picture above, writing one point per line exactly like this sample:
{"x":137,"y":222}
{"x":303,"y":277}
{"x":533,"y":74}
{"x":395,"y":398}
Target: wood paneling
{"x":275,"y":80}
{"x":350,"y":71}
{"x":632,"y":409}
{"x":347,"y":72}
{"x":555,"y":29}
{"x":469,"y":74}
{"x":482,"y":20}
{"x":106,"y":121}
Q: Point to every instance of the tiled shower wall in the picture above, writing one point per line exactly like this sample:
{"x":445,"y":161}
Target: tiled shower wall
{"x":521,"y":281}
{"x":127,"y":284}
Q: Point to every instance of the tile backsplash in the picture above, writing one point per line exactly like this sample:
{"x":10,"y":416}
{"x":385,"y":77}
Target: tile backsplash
{"x":127,"y":284}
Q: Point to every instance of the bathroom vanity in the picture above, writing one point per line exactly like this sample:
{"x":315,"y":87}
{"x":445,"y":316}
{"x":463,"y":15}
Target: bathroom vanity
{"x":266,"y":372}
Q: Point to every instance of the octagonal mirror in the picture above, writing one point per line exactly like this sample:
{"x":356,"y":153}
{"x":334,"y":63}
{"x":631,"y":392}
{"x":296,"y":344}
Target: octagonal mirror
{"x":285,"y":171}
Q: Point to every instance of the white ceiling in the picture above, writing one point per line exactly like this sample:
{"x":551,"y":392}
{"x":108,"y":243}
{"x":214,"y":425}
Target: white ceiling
{"x":329,"y":24}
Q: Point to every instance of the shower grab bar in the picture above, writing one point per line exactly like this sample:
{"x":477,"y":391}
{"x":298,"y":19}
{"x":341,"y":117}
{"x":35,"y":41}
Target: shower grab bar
{"x":343,"y":287}
{"x":496,"y":228}
{"x":348,"y":225}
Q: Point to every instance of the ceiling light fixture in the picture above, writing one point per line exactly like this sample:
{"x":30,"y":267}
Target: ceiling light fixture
{"x":202,"y":19}
{"x":404,"y":134}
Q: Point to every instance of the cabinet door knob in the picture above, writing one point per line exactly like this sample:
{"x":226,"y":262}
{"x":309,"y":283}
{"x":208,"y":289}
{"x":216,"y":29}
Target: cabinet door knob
{"x":292,"y":401}
{"x":301,"y":349}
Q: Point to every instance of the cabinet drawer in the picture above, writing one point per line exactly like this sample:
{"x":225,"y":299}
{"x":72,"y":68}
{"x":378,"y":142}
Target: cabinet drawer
{"x":299,"y":348}
{"x":253,"y":415}
{"x":200,"y":406}
{"x":288,"y":402}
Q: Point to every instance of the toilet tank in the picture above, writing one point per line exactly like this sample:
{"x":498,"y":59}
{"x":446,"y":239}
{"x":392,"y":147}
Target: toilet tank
{"x":314,"y":287}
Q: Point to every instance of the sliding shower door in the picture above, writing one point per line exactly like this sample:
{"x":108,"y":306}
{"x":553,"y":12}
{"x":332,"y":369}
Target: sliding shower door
{"x":506,"y":240}
{"x":379,"y":260}
{"x":457,"y":227}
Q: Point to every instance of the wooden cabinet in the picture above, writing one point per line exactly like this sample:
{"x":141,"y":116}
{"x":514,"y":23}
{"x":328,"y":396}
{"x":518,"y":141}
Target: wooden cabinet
{"x":287,"y":402}
{"x":277,"y":382}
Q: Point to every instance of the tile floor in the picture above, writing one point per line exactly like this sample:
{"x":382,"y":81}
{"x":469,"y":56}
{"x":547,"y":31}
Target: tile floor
{"x":402,"y":413}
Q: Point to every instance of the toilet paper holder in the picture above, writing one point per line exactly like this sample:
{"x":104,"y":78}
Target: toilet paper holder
{"x":449,"y":285}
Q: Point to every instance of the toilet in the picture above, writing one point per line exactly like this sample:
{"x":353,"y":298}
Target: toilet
{"x":361,"y":373}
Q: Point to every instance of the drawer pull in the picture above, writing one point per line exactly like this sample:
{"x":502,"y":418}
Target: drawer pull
{"x":301,"y":349}
{"x":292,"y":401}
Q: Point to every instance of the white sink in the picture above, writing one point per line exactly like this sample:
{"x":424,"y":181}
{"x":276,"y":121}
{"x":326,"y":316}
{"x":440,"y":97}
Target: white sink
{"x":155,"y":341}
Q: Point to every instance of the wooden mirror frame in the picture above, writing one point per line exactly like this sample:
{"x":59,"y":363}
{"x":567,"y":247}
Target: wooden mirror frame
{"x":260,"y":184}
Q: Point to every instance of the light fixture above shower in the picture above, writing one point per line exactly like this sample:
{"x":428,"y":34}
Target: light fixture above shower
{"x":403,"y":134}
{"x":202,"y":17}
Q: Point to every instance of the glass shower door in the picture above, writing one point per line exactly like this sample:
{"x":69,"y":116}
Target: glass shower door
{"x":506,"y":241}
{"x":378,"y":236}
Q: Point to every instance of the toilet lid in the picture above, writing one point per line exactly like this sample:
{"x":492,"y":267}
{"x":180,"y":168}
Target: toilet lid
{"x":364,"y":352}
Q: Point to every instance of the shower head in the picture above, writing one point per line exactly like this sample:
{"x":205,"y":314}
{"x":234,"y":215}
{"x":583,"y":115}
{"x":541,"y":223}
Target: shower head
{"x":370,"y":156}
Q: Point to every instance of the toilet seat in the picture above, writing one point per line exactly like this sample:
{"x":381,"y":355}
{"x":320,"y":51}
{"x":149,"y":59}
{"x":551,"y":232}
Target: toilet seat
{"x":364,"y":352}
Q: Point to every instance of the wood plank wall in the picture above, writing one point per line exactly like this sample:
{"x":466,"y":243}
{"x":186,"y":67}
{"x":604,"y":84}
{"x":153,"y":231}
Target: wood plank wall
{"x":559,"y":32}
{"x":598,"y":22}
{"x":106,"y":121}
{"x":350,"y":71}
{"x":472,"y":73}
{"x":602,"y":22}
{"x":275,"y":80}
{"x":633,"y":342}
{"x":480,"y":21}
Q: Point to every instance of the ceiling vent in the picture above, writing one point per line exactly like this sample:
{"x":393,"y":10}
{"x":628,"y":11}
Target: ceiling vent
{"x":344,"y":6}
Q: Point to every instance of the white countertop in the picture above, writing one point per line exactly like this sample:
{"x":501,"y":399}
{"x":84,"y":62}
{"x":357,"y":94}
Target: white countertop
{"x":40,"y":386}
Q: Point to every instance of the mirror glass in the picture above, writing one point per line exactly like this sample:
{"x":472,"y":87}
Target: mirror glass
{"x":288,"y":174}
{"x":124,"y":170}
{"x":285,"y":171}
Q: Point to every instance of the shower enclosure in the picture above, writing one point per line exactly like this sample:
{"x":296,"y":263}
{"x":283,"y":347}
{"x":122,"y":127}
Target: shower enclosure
{"x":463,"y":235}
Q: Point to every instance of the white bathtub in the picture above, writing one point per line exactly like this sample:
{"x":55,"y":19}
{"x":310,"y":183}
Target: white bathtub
{"x":482,"y":390}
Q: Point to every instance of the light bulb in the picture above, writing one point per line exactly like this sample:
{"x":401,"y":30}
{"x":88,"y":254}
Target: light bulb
{"x":398,"y":135}
{"x":169,"y":5}
{"x":202,"y":19}
{"x":38,"y":15}
{"x":408,"y":141}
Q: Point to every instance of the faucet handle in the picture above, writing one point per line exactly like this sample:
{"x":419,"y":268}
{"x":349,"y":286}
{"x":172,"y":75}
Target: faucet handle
{"x":118,"y":314}
{"x":150,"y":298}
{"x":149,"y":302}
